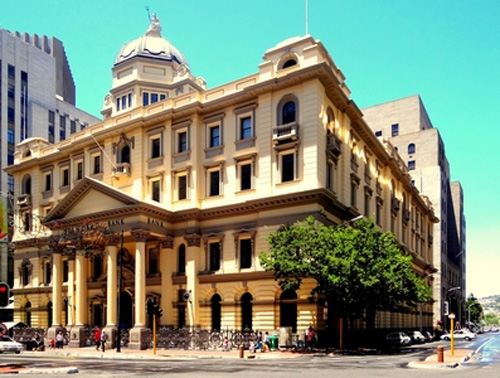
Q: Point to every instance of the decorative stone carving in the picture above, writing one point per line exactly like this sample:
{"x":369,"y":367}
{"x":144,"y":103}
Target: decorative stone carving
{"x":193,"y":240}
{"x":140,"y":235}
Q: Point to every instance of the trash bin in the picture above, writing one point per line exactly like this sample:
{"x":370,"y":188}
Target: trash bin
{"x":273,"y":340}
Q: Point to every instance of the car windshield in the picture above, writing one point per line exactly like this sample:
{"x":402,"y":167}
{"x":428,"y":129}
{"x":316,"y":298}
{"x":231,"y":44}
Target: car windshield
{"x":6,"y":338}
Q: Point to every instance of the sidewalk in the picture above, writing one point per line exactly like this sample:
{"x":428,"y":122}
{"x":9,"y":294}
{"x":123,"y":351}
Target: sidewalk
{"x":91,"y":352}
{"x":459,"y":356}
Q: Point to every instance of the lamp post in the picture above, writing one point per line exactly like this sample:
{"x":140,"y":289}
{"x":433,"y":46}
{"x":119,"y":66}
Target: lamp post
{"x":118,"y":311}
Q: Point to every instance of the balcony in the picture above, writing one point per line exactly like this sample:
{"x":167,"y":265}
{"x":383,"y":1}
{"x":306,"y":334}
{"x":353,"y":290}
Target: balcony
{"x":122,"y":169}
{"x":24,"y":200}
{"x":288,"y":132}
{"x":334,"y":145}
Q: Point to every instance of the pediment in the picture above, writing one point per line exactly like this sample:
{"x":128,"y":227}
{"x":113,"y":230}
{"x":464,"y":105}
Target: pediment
{"x":88,"y":198}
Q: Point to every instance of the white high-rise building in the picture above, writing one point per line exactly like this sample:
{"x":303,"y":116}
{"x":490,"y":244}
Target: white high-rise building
{"x":37,"y":99}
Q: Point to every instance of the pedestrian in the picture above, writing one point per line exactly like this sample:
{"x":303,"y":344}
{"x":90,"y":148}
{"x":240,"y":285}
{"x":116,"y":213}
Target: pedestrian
{"x":267,"y":341}
{"x":97,"y":338}
{"x":310,"y":339}
{"x":225,"y":344}
{"x":258,"y":344}
{"x":59,"y":340}
{"x":104,"y":337}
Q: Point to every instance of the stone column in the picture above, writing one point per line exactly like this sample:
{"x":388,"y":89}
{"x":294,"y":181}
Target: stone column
{"x":57,"y":299}
{"x":138,"y":334}
{"x":111,"y":289}
{"x":81,"y":308}
{"x":71,"y":293}
{"x":167,"y":267}
{"x":192,"y":267}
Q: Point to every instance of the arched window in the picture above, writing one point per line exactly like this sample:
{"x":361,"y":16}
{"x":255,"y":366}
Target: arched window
{"x":26,"y":184}
{"x":289,"y":112}
{"x":181,"y":259}
{"x":411,"y":148}
{"x":330,"y":119}
{"x":246,"y":311}
{"x":288,"y":310}
{"x":289,"y":63}
{"x":216,"y":312}
{"x":125,"y":154}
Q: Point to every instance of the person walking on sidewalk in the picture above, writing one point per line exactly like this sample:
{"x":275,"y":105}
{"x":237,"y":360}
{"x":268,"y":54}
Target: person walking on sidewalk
{"x":104,"y":337}
{"x":97,"y":338}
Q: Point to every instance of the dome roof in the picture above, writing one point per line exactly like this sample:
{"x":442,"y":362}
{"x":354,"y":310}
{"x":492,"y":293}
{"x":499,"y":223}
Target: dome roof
{"x":151,"y":45}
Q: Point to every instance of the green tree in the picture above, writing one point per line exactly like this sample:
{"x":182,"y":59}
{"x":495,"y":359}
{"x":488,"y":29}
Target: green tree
{"x":491,"y":319}
{"x":475,"y":310}
{"x":358,"y":270}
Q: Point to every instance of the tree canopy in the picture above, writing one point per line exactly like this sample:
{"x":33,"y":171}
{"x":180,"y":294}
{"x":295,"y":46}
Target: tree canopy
{"x":357,"y":269}
{"x":475,"y":310}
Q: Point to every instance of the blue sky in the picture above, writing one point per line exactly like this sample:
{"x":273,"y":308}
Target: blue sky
{"x":446,"y":51}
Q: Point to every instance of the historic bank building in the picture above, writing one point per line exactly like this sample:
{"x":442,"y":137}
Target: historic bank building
{"x":189,"y":182}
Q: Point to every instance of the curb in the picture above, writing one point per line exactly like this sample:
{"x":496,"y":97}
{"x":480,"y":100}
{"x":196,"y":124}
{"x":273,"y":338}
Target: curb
{"x":66,"y":370}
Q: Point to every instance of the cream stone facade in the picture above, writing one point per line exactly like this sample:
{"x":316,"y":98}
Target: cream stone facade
{"x":195,"y":179}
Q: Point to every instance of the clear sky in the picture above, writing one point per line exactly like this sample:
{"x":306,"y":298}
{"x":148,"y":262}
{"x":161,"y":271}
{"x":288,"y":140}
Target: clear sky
{"x":446,"y":51}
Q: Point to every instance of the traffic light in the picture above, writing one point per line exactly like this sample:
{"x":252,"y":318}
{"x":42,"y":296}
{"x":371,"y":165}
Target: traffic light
{"x":151,"y":307}
{"x":158,"y":312}
{"x":4,"y":294}
{"x":446,"y":309}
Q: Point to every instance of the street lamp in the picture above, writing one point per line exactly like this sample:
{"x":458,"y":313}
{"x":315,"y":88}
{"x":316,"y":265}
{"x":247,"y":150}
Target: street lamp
{"x":350,"y":221}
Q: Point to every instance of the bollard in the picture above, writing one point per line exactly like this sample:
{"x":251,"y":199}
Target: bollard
{"x":440,"y":350}
{"x":242,"y":351}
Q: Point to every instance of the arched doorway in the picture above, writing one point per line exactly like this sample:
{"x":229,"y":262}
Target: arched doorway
{"x":288,"y":309}
{"x":27,"y":308}
{"x":216,"y":312}
{"x":246,"y":311}
{"x":49,"y":314}
{"x":126,"y":311}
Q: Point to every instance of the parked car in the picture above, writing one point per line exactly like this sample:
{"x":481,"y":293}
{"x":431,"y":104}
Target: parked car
{"x":397,"y":339}
{"x":9,"y":345}
{"x":428,"y":336}
{"x":460,"y":334}
{"x":416,"y":337}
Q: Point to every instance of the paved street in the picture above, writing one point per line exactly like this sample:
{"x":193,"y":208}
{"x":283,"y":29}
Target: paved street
{"x":206,"y":364}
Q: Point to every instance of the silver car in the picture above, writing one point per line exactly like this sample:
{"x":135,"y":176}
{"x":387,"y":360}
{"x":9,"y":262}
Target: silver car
{"x":9,"y":345}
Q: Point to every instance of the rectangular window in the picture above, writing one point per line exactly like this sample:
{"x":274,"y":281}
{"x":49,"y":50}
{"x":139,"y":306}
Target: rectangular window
{"x":182,"y":187}
{"x":65,"y":177}
{"x":155,"y":148}
{"x":124,"y":102}
{"x":182,"y":141}
{"x":378,"y":133}
{"x":245,"y":127}
{"x":79,"y":170}
{"x":411,"y":165}
{"x":395,"y":129}
{"x":65,"y":270}
{"x":73,"y":126}
{"x":10,"y":184}
{"x":287,"y":168}
{"x":48,"y":182}
{"x":214,"y":189}
{"x":11,"y":136}
{"x":354,"y":191}
{"x":154,"y":97}
{"x":129,"y":100}
{"x":48,"y":272}
{"x":214,"y":136}
{"x":153,"y":260}
{"x":96,"y":164}
{"x":62,"y":127}
{"x":246,"y":176}
{"x":245,"y":253}
{"x":118,"y":103}
{"x":155,"y":190}
{"x":214,"y":250}
{"x":145,"y":98}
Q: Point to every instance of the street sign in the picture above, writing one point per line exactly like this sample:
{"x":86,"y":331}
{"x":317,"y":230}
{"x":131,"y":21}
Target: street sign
{"x":3,"y":329}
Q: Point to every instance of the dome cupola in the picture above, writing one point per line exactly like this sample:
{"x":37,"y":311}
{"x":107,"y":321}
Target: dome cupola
{"x":151,"y":45}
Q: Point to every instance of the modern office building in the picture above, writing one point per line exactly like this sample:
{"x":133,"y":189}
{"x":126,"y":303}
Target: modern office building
{"x":406,"y":124}
{"x":188,"y":182}
{"x":37,"y":99}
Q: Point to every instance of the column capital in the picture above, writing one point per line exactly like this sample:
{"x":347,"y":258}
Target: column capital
{"x":167,"y":242}
{"x":140,"y":235}
{"x":112,"y":239}
{"x":193,"y":240}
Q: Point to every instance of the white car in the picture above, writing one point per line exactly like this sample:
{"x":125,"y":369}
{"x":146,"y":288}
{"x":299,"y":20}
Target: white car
{"x":460,"y":334}
{"x":9,"y":345}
